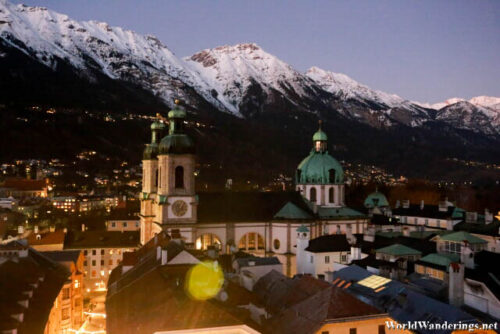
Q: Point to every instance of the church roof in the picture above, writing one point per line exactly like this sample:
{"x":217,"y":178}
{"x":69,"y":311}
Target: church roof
{"x":320,"y":136}
{"x":337,"y":213}
{"x":220,"y":207}
{"x":291,"y":211}
{"x":315,"y":169}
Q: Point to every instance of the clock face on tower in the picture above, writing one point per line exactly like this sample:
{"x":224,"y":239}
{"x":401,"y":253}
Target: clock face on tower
{"x":179,"y":208}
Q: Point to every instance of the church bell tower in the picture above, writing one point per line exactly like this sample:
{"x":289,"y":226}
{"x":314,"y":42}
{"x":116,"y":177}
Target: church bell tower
{"x":174,"y":204}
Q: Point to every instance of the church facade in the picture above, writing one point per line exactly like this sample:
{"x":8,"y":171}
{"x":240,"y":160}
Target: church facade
{"x":231,"y":221}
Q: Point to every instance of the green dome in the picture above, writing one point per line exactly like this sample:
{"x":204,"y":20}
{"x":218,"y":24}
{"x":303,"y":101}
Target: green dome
{"x":376,"y":199}
{"x":176,"y":144}
{"x":318,"y":168}
{"x":176,"y":113}
{"x":150,"y":152}
{"x":320,"y":136}
{"x":157,"y":125}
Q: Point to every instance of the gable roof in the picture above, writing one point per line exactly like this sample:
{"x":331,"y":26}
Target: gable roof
{"x":16,"y":277}
{"x":325,"y":306}
{"x":442,"y":260}
{"x":463,"y":236}
{"x":492,"y":228}
{"x":292,"y":211}
{"x":398,"y":250}
{"x":329,"y":243}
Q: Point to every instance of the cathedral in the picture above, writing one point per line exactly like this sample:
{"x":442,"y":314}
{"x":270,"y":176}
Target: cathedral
{"x":250,"y":221}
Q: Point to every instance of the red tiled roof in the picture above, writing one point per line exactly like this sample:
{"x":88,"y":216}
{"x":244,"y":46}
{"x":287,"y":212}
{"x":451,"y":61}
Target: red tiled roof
{"x":25,"y":184}
{"x":46,"y":238}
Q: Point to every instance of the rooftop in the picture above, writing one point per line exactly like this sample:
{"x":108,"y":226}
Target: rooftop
{"x":463,"y":236}
{"x":101,"y":239}
{"x":398,"y":250}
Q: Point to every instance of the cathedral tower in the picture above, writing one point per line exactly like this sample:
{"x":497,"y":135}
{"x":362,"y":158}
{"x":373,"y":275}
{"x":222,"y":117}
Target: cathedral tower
{"x":173,"y":204}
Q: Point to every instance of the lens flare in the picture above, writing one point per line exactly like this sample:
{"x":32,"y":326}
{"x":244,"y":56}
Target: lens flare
{"x":204,"y":280}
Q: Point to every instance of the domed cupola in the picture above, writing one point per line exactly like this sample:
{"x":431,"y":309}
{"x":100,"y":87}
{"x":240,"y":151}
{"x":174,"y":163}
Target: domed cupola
{"x":319,"y":167}
{"x":151,"y":150}
{"x":376,"y":199}
{"x":176,"y":142}
{"x":320,"y":177}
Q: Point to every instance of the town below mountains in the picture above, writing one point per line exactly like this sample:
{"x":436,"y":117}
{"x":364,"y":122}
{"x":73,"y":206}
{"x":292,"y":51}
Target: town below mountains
{"x":70,"y":86}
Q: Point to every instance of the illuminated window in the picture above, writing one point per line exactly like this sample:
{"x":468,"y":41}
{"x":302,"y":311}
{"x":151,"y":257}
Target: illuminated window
{"x":77,"y":284}
{"x":374,"y":281}
{"x":110,"y":252}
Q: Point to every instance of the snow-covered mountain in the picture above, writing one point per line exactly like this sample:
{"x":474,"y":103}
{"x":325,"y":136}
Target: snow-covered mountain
{"x":465,"y":115}
{"x":242,"y":79}
{"x":385,"y":107}
{"x":50,"y":37}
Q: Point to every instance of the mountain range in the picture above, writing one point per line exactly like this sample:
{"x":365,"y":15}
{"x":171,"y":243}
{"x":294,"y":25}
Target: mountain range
{"x":48,"y":58}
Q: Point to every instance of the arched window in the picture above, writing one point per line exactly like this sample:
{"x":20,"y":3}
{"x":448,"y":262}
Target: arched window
{"x":331,"y":194}
{"x":157,"y":176}
{"x":312,"y":195}
{"x":179,"y":177}
{"x":331,"y":175}
{"x":299,"y":173}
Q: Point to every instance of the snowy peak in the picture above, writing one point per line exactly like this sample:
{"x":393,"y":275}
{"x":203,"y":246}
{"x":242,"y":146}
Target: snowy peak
{"x":466,"y":115}
{"x":345,"y":87}
{"x":233,"y":70}
{"x":480,"y":101}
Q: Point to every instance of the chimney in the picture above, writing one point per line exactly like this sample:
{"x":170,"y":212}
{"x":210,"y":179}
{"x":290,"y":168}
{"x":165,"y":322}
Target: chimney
{"x":369,"y":234}
{"x":488,"y":216}
{"x":467,"y":255}
{"x":406,"y":204}
{"x":398,"y":204}
{"x":158,"y":253}
{"x":443,"y":206}
{"x":355,"y":253}
{"x":164,"y":257}
{"x":35,"y":229}
{"x":422,"y":204}
{"x":456,"y":284}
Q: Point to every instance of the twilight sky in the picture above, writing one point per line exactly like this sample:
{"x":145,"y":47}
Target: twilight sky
{"x":426,"y":51}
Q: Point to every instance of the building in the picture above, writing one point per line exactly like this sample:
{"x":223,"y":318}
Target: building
{"x":307,"y":305}
{"x":400,"y":301}
{"x":68,"y":309}
{"x":20,"y":188}
{"x":125,"y":224}
{"x":422,"y":217}
{"x":161,"y":268}
{"x":49,"y":240}
{"x":102,"y":251}
{"x":255,"y":222}
{"x":30,"y":285}
{"x":250,"y":269}
{"x":319,"y":255}
{"x":8,"y":203}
